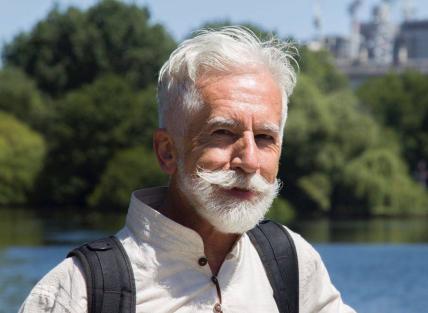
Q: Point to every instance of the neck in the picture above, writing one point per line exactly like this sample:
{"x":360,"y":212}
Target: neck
{"x":216,"y":244}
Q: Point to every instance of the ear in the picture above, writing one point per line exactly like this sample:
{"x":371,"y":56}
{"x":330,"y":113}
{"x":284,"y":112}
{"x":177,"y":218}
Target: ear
{"x":165,"y":151}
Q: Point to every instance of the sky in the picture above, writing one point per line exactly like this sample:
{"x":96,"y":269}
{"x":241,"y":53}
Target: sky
{"x":180,"y":17}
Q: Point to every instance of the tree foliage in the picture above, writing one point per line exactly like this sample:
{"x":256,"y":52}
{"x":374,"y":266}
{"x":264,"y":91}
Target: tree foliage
{"x":69,"y":49}
{"x":90,"y":125}
{"x":281,"y":211}
{"x":96,"y":70}
{"x":319,"y":65}
{"x":128,"y":170}
{"x":379,"y":180}
{"x":20,"y":97}
{"x":21,"y":156}
{"x":400,"y":102}
{"x":92,"y":62}
{"x":329,"y":143}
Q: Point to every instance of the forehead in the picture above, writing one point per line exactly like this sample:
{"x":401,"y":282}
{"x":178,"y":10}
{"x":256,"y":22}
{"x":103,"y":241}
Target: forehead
{"x":251,"y":96}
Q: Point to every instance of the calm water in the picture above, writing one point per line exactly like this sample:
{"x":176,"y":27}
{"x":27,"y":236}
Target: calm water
{"x":380,"y":266}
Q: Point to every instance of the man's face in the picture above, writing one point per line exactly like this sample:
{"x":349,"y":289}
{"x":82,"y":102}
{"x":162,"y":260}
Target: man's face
{"x":238,"y":128}
{"x":237,"y":131}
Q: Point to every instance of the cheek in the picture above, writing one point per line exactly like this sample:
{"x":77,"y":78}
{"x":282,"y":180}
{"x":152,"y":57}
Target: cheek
{"x":269,"y":164}
{"x":269,"y":173}
{"x":211,"y":159}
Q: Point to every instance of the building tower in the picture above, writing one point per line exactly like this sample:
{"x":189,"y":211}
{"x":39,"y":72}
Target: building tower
{"x":408,"y":10}
{"x":355,"y":37}
{"x":383,"y":34}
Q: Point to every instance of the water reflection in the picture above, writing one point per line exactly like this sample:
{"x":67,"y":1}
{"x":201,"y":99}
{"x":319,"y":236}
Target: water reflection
{"x":20,"y":227}
{"x":375,"y":230}
{"x":29,"y":227}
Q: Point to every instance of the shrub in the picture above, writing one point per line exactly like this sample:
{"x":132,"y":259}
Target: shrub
{"x":129,"y":170}
{"x":21,"y":156}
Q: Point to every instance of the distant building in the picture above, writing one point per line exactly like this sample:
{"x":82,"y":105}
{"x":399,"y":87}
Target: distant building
{"x":338,"y":46}
{"x":378,"y":46}
{"x":377,"y":37}
{"x":412,"y":41}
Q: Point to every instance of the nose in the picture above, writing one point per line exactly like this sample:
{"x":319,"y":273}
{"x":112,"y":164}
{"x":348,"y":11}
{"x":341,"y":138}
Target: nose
{"x":245,"y":154}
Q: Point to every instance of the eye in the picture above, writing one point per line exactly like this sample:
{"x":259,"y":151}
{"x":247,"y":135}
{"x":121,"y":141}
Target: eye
{"x":223,"y":132}
{"x":264,"y":138}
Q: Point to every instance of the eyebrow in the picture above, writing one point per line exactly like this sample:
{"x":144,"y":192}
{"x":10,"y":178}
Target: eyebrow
{"x":219,"y":121}
{"x":270,"y":127}
{"x":222,"y":121}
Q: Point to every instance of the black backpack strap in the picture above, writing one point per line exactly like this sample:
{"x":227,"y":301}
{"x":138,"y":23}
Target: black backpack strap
{"x":278,"y":255}
{"x":108,"y":274}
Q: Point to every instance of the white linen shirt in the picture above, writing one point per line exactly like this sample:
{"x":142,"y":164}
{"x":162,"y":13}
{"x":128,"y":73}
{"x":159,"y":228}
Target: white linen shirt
{"x":164,"y":257}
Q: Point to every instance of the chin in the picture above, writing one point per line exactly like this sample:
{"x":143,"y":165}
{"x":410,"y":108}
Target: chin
{"x":233,"y":216}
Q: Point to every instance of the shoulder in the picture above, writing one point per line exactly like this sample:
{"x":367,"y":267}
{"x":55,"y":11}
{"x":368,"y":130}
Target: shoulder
{"x":308,"y":258}
{"x":316,"y":291}
{"x":306,"y":253}
{"x":62,"y":290}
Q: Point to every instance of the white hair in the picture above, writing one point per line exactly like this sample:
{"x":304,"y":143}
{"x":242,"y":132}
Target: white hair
{"x":228,"y":50}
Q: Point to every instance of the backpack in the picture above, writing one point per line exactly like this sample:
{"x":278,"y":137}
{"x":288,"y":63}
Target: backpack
{"x":110,"y":280}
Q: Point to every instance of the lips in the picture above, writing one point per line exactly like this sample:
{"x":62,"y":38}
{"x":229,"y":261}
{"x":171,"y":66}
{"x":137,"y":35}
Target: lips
{"x":240,"y":193}
{"x":240,"y":189}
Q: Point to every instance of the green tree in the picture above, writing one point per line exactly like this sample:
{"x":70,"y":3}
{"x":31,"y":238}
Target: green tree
{"x":69,"y":49}
{"x":281,"y":211}
{"x":378,"y":179}
{"x":319,"y":65}
{"x":90,"y":125}
{"x":21,"y":156}
{"x":400,"y":102}
{"x":128,"y":170}
{"x":328,"y":139}
{"x":20,"y":97}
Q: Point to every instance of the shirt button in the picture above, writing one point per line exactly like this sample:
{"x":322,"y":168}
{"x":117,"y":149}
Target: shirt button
{"x":203,"y":261}
{"x":217,"y":308}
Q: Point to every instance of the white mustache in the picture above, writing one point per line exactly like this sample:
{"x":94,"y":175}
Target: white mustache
{"x":228,"y":179}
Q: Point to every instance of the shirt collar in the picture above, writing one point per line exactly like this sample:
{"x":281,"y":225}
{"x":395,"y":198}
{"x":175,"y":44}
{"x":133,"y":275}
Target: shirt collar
{"x":148,"y":225}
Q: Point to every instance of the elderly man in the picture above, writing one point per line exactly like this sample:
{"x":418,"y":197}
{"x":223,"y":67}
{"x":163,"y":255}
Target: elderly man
{"x":222,"y":109}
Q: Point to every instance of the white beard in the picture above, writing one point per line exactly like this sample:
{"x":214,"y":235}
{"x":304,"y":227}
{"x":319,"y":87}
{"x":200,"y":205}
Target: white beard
{"x":226,"y":213}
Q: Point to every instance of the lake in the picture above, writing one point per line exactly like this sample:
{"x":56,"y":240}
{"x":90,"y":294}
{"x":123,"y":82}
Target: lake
{"x":379,"y":265}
